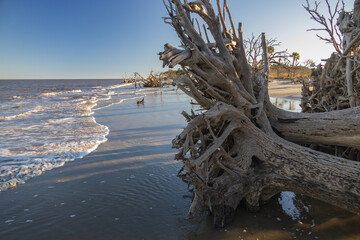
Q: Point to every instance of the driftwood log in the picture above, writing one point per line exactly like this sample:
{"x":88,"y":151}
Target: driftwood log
{"x":239,"y":147}
{"x":153,"y":80}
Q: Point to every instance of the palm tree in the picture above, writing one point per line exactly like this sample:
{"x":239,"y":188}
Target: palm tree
{"x":295,"y":56}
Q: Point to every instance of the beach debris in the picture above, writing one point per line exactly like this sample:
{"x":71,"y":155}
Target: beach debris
{"x":140,"y":102}
{"x":153,"y":80}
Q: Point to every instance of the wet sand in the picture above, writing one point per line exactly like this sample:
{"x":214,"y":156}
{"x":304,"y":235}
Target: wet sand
{"x":285,"y":89}
{"x":128,"y":189}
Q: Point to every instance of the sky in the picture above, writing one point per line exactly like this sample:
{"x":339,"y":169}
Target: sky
{"x":59,"y":39}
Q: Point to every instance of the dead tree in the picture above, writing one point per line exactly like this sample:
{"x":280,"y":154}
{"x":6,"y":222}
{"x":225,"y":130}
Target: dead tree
{"x":241,"y":148}
{"x":254,"y":53}
{"x":153,"y":80}
{"x":336,"y":86}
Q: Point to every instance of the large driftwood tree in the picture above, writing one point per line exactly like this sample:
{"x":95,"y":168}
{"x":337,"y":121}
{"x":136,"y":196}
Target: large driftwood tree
{"x":240,"y":147}
{"x":335,"y":86}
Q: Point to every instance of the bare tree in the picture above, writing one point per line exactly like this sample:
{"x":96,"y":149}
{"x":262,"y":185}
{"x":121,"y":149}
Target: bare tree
{"x":240,"y":147}
{"x":254,"y":53}
{"x":153,"y":80}
{"x":336,"y":86}
{"x":328,"y":23}
{"x":341,"y":69}
{"x":309,"y":63}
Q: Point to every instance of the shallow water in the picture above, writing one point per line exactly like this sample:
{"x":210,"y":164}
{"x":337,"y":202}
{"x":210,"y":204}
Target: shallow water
{"x":288,"y":104}
{"x":128,"y":189}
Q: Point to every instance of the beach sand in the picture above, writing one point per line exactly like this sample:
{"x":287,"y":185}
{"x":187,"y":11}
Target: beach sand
{"x":285,"y":89}
{"x":128,"y":189}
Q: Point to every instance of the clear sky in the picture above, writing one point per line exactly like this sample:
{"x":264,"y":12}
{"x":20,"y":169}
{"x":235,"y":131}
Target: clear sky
{"x":114,"y":38}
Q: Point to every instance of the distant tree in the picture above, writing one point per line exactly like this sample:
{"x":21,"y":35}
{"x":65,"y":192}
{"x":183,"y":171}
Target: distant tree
{"x":295,"y":58}
{"x":174,"y":74}
{"x":309,"y":63}
{"x":254,"y":52}
{"x":271,"y":50}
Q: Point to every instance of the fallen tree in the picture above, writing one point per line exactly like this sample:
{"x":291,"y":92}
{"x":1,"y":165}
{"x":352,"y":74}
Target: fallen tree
{"x":336,"y":86}
{"x":241,"y":148}
{"x":153,"y":80}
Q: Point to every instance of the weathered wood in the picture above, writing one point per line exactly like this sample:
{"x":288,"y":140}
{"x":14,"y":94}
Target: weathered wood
{"x":241,"y":147}
{"x":336,"y":86}
{"x":152,"y":80}
{"x":339,"y":128}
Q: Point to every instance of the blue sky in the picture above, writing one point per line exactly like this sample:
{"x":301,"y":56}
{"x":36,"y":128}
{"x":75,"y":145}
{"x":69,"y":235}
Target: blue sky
{"x":114,"y":38}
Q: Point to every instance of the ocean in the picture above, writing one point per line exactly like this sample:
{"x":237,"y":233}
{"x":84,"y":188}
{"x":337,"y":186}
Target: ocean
{"x":46,"y":123}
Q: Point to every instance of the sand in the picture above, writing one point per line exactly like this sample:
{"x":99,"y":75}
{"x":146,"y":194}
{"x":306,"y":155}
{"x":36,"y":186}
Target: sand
{"x":285,"y":89}
{"x":128,"y":189}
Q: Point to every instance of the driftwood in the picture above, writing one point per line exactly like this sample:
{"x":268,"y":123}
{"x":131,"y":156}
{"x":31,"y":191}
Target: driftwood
{"x":153,"y":80}
{"x":239,"y":147}
{"x":336,"y":86}
{"x":140,"y":102}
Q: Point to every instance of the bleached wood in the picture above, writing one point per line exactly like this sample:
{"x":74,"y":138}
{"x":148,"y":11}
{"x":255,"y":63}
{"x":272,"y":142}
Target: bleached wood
{"x":240,"y":146}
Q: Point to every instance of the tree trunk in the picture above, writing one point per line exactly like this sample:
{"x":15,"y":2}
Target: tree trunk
{"x":339,"y":128}
{"x":240,"y":147}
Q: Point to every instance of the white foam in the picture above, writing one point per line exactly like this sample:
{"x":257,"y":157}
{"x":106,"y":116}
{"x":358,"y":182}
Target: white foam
{"x":60,"y":93}
{"x":21,"y":114}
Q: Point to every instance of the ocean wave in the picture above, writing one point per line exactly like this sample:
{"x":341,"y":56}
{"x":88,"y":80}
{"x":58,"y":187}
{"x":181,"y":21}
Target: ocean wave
{"x":17,"y":166}
{"x":60,"y":93}
{"x":114,"y":86}
{"x":20,"y":115}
